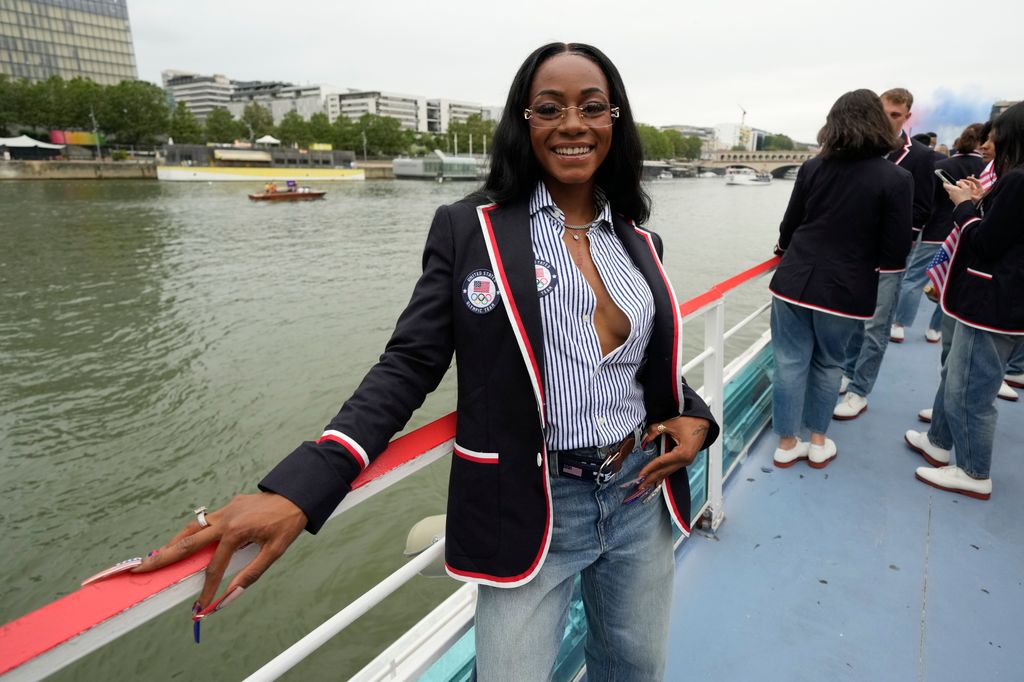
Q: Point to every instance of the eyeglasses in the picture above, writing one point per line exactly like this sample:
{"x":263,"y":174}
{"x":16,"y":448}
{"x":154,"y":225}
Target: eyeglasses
{"x":593,"y":114}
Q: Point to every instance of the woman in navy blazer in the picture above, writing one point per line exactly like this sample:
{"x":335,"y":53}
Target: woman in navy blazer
{"x":479,"y":299}
{"x":849,"y":216}
{"x":984,"y":293}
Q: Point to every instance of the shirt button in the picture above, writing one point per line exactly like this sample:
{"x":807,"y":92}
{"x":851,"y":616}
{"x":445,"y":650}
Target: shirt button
{"x":600,"y":421}
{"x":585,"y":318}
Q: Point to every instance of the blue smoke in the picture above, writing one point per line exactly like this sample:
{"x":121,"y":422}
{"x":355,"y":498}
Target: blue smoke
{"x":948,"y":113}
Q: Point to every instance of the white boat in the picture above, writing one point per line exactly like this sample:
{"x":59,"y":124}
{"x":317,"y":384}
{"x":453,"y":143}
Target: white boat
{"x":665,"y":175}
{"x":707,"y":174}
{"x":790,"y":174}
{"x":746,"y":176}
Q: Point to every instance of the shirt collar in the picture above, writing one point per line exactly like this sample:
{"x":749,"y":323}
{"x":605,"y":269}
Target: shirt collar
{"x":542,"y":201}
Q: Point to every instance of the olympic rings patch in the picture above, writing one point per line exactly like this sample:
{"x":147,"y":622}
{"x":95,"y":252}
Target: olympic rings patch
{"x":547,"y":278}
{"x":480,"y":292}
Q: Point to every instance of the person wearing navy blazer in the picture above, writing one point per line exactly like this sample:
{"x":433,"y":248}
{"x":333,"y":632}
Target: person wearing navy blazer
{"x":524,"y":519}
{"x":848,"y":217}
{"x":984,"y":294}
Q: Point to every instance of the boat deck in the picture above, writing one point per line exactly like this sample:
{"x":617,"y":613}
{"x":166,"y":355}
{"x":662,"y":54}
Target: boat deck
{"x":858,"y":571}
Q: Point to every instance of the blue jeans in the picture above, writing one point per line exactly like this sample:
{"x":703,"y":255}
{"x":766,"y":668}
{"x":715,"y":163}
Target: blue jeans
{"x":914,"y":280}
{"x":1015,"y":365}
{"x":625,"y":559}
{"x":867,"y":346}
{"x":808,"y":347}
{"x":964,"y":413}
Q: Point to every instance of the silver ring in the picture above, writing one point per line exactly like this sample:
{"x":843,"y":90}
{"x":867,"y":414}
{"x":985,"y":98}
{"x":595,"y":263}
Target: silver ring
{"x":661,"y":428}
{"x":201,"y":517}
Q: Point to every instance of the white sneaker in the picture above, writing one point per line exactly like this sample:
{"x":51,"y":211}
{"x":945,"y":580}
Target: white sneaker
{"x":925,"y":415}
{"x":955,"y":480}
{"x":844,"y":384}
{"x":818,"y":456}
{"x":932,"y":454}
{"x":850,"y":407}
{"x":932,"y":336}
{"x":787,"y":458}
{"x":1015,"y":380}
{"x":896,"y":333}
{"x":1007,"y":393}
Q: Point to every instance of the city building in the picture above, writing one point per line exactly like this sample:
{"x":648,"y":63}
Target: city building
{"x":67,"y":38}
{"x":201,"y":94}
{"x":443,"y":112}
{"x":730,"y":135}
{"x":707,"y":136}
{"x":410,"y":110}
{"x":1000,"y":106}
{"x":282,"y":98}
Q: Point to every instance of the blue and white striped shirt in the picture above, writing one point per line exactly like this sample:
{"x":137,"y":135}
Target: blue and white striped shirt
{"x":592,"y":400}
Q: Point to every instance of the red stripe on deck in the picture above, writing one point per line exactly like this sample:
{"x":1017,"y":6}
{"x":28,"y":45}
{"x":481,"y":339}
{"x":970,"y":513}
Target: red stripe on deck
{"x":31,"y":635}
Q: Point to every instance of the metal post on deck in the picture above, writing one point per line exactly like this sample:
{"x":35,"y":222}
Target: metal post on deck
{"x":714,"y":373}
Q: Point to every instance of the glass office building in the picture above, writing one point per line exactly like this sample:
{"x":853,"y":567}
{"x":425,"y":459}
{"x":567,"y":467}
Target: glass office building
{"x":67,"y":38}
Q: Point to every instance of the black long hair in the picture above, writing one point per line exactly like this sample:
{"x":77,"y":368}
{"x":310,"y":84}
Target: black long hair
{"x":856,"y":128}
{"x":514,"y":169}
{"x":1008,"y":134}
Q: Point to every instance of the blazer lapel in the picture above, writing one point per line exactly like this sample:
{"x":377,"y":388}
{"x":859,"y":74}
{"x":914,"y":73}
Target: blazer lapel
{"x":506,"y":230}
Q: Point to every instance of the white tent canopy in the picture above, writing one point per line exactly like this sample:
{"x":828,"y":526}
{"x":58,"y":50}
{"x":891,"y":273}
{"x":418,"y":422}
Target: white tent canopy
{"x":268,"y":139}
{"x":24,"y":142}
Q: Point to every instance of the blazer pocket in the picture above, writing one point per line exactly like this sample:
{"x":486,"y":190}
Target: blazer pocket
{"x":978,"y":273}
{"x":474,"y":503}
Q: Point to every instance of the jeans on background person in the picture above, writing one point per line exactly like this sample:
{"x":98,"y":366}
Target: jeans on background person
{"x":866,"y":348}
{"x":964,"y":412}
{"x":625,"y":558}
{"x":911,"y":290}
{"x":1015,"y":365}
{"x":808,"y":348}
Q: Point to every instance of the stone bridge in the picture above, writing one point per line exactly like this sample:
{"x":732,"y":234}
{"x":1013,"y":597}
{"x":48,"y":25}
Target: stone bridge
{"x":776,"y":163}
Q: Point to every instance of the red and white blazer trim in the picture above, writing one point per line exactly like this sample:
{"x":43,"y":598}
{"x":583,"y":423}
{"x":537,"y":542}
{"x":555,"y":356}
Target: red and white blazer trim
{"x":677,"y":337}
{"x":353,"y":447}
{"x":818,"y":307}
{"x":474,"y":456}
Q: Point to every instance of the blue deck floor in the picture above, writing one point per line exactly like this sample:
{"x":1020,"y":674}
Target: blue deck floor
{"x":859,"y":571}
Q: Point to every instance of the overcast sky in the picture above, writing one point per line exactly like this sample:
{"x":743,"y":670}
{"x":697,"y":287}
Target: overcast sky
{"x":683,"y":62}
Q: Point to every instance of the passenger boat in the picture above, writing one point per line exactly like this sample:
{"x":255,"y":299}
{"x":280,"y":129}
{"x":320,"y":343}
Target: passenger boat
{"x":200,"y":163}
{"x":300,"y":194}
{"x":746,"y":176}
{"x":665,"y":175}
{"x":854,"y":572}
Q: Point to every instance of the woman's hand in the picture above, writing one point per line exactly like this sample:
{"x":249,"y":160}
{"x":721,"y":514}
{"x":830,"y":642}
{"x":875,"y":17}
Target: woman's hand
{"x":968,"y":189}
{"x":267,"y":519}
{"x":688,"y":434}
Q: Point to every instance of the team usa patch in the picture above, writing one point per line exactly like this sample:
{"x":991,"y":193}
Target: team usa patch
{"x":480,"y":292}
{"x":547,"y":278}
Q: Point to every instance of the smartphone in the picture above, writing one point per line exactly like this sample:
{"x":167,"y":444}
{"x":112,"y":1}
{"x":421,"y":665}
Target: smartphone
{"x":944,"y":176}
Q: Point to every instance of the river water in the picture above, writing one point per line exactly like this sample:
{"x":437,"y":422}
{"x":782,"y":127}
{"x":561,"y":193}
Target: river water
{"x":163,"y":345}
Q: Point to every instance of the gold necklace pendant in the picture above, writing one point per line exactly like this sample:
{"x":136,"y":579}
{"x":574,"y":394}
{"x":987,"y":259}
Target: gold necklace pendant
{"x":576,"y":237}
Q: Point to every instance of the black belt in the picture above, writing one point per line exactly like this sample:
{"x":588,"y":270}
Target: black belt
{"x":599,"y":463}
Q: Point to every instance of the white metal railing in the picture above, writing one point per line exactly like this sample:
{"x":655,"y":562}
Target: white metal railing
{"x":710,"y":306}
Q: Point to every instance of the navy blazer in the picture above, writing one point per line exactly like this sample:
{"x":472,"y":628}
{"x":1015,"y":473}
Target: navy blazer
{"x":920,"y":161}
{"x":985,"y":285}
{"x":846,"y":220}
{"x":499,"y":501}
{"x":959,"y":166}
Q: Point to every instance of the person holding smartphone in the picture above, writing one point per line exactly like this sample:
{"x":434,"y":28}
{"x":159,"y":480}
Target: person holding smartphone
{"x":965,"y":162}
{"x":983,"y":294}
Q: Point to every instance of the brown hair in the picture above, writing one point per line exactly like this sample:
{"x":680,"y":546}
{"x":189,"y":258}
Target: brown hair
{"x":969,"y":139}
{"x":899,"y":96}
{"x":856,"y":127}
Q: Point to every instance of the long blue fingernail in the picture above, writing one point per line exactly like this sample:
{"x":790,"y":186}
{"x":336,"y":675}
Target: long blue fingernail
{"x":195,"y":630}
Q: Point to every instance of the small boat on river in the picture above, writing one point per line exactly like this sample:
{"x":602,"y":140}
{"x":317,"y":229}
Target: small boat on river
{"x":300,"y":194}
{"x":746,"y":176}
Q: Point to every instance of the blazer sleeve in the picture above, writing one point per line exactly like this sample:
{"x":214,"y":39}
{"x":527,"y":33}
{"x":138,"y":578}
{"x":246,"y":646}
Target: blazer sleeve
{"x":895,"y":240}
{"x":795,"y":211}
{"x":694,"y":406}
{"x":316,"y":476}
{"x":1003,"y":225}
{"x":924,"y":192}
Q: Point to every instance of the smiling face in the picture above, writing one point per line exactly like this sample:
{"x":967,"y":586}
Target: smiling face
{"x":898,"y":115}
{"x":569,"y":154}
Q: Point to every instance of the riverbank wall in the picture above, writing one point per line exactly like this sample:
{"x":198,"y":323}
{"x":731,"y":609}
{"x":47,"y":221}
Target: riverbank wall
{"x":77,"y":170}
{"x":122,"y":170}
